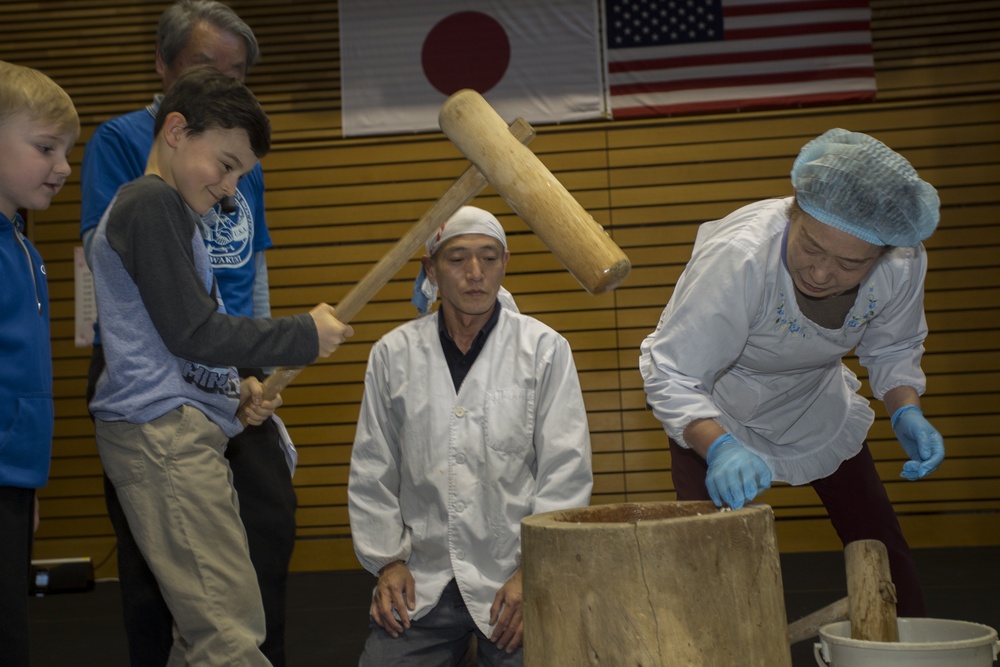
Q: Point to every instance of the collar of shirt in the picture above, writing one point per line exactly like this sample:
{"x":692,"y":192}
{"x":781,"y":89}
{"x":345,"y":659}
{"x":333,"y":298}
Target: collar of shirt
{"x":458,"y":363}
{"x":154,"y":108}
{"x":17,"y":222}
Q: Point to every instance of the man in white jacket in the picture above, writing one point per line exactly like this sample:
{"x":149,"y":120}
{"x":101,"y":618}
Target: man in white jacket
{"x":472,"y":419}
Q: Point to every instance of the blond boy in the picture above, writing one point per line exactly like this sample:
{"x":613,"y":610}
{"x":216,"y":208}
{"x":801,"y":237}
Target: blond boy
{"x":38,"y":127}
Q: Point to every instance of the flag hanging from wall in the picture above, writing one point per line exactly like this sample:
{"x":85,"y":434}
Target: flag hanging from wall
{"x":401,"y":59}
{"x":670,"y":57}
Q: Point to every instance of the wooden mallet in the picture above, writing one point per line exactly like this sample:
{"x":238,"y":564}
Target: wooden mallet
{"x":530,"y":189}
{"x":573,"y":236}
{"x":870,"y":603}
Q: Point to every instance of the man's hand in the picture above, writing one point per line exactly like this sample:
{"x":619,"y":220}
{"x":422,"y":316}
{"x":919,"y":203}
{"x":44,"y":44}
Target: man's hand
{"x":332,"y":332}
{"x":255,"y":408}
{"x":508,"y":615}
{"x":395,"y":591}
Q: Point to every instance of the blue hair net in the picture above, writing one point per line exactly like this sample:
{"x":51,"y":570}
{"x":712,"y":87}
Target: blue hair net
{"x":859,"y":185}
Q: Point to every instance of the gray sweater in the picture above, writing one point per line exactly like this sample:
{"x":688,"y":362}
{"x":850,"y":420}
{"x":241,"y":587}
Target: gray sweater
{"x":167,"y":339}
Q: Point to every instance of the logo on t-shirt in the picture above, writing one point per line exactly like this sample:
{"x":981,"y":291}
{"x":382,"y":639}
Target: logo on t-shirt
{"x":211,"y":380}
{"x":229,"y":237}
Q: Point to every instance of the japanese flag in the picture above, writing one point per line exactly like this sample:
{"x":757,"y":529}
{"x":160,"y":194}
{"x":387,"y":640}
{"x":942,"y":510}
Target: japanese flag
{"x":401,"y":59}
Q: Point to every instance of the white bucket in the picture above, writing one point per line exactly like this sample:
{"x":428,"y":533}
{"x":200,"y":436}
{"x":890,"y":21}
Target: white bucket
{"x":922,"y":642}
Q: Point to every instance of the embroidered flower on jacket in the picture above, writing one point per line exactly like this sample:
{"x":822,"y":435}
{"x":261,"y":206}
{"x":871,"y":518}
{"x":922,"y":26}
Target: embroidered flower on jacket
{"x":858,"y":320}
{"x":790,"y":324}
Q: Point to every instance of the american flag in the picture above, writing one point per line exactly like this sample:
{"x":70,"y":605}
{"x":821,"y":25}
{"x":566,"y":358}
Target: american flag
{"x":699,"y":56}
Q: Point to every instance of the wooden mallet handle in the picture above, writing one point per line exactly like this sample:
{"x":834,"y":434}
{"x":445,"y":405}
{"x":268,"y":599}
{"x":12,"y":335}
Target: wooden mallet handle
{"x":808,"y":627}
{"x":461,"y":192}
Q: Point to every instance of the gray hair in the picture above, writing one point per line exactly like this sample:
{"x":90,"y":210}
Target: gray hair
{"x":177,"y":21}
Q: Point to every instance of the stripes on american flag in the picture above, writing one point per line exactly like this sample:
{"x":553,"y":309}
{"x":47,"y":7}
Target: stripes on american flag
{"x":670,"y":57}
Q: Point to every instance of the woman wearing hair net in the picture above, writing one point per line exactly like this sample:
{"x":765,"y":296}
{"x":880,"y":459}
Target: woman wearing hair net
{"x":745,"y":367}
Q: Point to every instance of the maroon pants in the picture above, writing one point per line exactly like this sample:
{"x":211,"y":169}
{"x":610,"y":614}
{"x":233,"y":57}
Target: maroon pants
{"x":858,"y":506}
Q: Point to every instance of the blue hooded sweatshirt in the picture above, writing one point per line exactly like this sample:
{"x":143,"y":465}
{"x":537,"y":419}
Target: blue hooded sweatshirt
{"x":26,"y":408}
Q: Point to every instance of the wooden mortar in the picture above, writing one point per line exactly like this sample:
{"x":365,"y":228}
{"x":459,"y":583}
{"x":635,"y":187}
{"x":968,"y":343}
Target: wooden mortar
{"x":653,"y":584}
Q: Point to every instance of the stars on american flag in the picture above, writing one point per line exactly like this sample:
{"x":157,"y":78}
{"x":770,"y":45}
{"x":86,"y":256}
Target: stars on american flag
{"x":633,"y":23}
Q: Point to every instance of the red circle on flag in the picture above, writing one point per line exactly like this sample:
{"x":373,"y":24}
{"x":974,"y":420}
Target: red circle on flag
{"x":466,"y":50}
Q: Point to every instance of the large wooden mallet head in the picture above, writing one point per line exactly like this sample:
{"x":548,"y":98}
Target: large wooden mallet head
{"x":534,"y":194}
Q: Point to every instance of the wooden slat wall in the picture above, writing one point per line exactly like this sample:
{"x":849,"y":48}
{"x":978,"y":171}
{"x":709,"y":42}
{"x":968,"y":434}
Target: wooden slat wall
{"x":335,"y":206}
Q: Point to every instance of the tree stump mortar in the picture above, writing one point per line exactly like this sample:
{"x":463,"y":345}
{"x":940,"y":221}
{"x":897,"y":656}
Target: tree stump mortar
{"x":659,"y":584}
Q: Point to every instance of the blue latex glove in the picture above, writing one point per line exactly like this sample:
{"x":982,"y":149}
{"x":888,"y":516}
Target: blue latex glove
{"x":735,"y":474}
{"x":920,"y":441}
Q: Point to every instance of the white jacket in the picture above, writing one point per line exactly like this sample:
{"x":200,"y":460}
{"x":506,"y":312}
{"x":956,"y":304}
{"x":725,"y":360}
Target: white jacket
{"x":732,"y":345}
{"x":442,"y":481}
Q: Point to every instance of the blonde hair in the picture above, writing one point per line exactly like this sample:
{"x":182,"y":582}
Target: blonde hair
{"x":26,"y":90}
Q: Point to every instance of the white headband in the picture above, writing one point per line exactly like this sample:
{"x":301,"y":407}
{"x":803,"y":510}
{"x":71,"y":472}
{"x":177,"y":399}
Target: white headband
{"x":467,"y":220}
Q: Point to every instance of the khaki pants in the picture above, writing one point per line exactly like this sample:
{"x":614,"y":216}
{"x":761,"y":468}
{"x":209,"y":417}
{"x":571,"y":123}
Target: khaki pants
{"x":176,"y":490}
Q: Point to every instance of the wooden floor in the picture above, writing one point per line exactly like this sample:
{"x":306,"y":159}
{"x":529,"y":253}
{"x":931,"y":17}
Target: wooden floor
{"x":327,"y":611}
